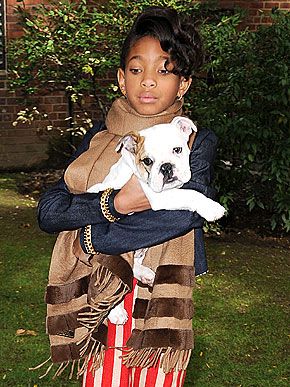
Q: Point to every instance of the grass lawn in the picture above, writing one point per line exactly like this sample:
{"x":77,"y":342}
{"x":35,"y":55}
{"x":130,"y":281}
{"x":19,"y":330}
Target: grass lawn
{"x":241,"y":306}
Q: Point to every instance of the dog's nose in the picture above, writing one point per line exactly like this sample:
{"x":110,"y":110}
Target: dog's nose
{"x":166,"y":170}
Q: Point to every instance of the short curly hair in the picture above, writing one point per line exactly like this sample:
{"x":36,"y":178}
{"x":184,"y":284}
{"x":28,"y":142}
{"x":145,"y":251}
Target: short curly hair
{"x":177,"y":35}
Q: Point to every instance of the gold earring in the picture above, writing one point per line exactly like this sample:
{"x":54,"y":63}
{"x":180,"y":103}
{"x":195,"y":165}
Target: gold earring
{"x":123,"y":90}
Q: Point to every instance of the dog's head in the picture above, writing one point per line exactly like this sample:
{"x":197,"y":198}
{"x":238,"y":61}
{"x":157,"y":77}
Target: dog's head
{"x":161,"y":153}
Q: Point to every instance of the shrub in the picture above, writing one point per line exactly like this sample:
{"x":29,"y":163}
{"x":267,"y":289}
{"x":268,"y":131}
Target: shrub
{"x":247,"y":105}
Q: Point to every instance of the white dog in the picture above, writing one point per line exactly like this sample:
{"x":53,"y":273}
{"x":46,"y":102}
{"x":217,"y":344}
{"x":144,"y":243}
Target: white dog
{"x":159,"y":157}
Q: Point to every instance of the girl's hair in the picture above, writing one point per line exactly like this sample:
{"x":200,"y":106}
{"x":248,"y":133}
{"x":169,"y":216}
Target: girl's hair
{"x":179,"y":38}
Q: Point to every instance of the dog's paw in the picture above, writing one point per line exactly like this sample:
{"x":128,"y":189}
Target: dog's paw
{"x":143,"y":274}
{"x":140,"y":254}
{"x":212,"y":211}
{"x":148,"y":278}
{"x":118,"y":315}
{"x":94,"y":188}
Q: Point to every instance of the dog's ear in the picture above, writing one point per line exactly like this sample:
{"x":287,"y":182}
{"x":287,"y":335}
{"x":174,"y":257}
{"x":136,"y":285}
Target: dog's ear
{"x":131,"y":141}
{"x":185,"y":125}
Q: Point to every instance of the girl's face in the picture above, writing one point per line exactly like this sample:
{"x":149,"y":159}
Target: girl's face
{"x":149,"y":87}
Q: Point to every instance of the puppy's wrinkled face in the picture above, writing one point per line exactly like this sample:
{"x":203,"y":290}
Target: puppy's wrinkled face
{"x":161,"y":153}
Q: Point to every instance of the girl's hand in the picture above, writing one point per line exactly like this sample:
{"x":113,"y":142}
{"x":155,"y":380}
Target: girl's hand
{"x":131,"y":198}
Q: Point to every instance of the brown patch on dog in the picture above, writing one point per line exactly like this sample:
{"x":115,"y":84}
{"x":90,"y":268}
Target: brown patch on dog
{"x":143,"y":169}
{"x":139,"y":141}
{"x":134,"y":143}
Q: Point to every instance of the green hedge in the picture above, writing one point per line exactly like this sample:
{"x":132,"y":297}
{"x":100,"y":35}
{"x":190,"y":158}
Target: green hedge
{"x":247,"y":103}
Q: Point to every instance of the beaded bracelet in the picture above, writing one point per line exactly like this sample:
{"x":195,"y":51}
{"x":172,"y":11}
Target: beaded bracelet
{"x":104,"y":202}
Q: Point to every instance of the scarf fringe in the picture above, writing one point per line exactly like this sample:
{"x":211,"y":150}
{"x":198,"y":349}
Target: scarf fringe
{"x":170,"y":359}
{"x":115,"y":289}
{"x":96,"y":354}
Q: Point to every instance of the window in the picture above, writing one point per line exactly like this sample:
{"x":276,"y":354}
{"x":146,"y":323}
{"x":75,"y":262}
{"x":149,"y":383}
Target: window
{"x":2,"y":36}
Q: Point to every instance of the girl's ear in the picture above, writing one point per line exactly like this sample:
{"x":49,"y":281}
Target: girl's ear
{"x":183,"y":87}
{"x":121,"y":80}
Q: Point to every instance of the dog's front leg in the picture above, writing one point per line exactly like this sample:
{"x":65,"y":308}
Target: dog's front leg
{"x":184,"y":199}
{"x":118,"y":176}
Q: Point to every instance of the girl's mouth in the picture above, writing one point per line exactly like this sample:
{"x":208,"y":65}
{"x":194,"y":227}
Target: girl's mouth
{"x":147,"y":98}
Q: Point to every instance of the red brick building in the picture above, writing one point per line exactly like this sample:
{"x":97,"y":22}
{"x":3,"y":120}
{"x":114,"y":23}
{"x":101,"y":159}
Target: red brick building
{"x":21,"y":146}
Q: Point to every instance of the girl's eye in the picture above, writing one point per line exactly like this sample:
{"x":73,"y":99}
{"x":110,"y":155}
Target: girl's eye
{"x":177,"y":150}
{"x":135,"y":71}
{"x":147,"y":161}
{"x":164,"y":71}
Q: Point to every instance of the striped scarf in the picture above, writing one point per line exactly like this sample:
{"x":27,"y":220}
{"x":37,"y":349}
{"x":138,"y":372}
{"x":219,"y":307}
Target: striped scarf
{"x":83,"y":288}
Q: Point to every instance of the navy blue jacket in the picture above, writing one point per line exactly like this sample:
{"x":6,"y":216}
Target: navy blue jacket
{"x":60,"y":210}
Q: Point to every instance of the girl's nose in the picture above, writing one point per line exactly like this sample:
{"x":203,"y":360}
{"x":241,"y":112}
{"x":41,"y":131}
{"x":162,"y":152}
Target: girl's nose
{"x":148,"y":81}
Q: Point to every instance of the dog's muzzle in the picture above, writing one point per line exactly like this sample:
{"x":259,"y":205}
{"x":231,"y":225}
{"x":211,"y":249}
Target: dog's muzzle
{"x":167,"y":171}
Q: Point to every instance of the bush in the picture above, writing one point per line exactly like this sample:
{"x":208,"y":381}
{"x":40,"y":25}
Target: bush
{"x":247,"y":105}
{"x":244,"y":96}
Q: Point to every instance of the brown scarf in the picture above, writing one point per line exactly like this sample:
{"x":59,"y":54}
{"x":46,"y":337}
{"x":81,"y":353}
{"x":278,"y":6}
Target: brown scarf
{"x":83,"y":288}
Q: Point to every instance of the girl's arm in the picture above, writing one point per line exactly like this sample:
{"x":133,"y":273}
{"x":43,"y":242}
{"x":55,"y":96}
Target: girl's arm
{"x":148,"y":228}
{"x":60,"y":210}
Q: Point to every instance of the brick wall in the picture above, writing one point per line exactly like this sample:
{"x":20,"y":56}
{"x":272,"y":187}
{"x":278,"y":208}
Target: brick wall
{"x":258,"y":10}
{"x":22,"y":146}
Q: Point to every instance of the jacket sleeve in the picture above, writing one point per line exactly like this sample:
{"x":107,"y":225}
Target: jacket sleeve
{"x":148,"y":228}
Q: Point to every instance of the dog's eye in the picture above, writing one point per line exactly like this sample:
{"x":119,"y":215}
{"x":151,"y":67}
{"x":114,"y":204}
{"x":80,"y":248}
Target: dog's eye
{"x":147,"y":161}
{"x":177,"y":150}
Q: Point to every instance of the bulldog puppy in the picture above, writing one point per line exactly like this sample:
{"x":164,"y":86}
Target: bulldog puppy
{"x":159,"y":157}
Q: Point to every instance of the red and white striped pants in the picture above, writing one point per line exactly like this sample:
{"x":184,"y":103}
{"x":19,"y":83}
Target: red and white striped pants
{"x":114,"y":374}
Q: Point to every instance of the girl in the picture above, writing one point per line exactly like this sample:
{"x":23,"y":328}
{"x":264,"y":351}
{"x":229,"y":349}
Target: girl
{"x":90,"y":264}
